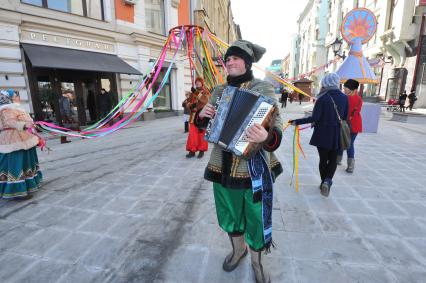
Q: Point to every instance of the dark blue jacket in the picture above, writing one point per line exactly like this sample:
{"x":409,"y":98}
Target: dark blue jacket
{"x":324,"y":118}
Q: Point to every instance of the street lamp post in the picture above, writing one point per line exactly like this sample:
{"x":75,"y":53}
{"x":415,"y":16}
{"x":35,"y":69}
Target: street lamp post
{"x":337,"y":46}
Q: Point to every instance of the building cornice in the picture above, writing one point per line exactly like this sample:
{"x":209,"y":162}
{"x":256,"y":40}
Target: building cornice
{"x":146,"y":38}
{"x":303,"y":15}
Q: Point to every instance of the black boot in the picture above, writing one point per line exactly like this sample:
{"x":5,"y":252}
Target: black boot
{"x":200,"y":154}
{"x":186,"y":127}
{"x":190,"y":154}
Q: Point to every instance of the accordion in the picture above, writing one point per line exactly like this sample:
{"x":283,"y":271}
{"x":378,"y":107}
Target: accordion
{"x":237,"y":110}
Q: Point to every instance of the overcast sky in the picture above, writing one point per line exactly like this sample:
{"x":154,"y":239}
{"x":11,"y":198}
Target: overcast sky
{"x":269,"y":23}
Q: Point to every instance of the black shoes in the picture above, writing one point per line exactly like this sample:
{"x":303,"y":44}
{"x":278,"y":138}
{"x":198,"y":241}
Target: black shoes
{"x":190,"y":154}
{"x":200,"y":154}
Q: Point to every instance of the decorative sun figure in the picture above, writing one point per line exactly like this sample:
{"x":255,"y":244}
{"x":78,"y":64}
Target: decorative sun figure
{"x":359,"y":23}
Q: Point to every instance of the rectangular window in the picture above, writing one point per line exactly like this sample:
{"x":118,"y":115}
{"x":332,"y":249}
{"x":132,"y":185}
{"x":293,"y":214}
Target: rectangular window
{"x":154,"y":16}
{"x":33,"y":2}
{"x":87,"y":8}
{"x":69,"y":6}
{"x":94,"y":9}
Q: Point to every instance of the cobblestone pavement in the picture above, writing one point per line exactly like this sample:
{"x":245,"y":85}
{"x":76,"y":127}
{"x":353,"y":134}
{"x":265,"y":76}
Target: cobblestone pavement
{"x":130,"y":208}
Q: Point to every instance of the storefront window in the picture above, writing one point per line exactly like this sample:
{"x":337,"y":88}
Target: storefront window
{"x":47,"y":98}
{"x":163,"y":100}
{"x":88,"y":8}
{"x":154,"y":16}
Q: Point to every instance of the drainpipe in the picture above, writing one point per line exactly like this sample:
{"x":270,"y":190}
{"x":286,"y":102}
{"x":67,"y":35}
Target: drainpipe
{"x":419,"y":47}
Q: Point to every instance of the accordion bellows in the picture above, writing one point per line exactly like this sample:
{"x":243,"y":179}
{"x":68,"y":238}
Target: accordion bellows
{"x":237,"y":110}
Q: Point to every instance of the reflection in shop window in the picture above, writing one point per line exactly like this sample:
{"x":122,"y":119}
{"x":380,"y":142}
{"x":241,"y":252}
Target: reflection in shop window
{"x":70,"y":6}
{"x":88,"y":8}
{"x":163,"y":100}
{"x":154,"y":16}
{"x":47,"y":98}
{"x":33,"y":2}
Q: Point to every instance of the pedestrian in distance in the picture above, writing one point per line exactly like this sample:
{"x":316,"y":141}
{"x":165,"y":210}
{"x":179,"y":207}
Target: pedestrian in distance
{"x":199,"y":97}
{"x":186,"y":112}
{"x":412,"y":98}
{"x":104,"y":103}
{"x":330,"y":103}
{"x":284,"y":97}
{"x":239,"y":205}
{"x":20,"y":174}
{"x":350,"y":88}
{"x":66,"y":112}
{"x":401,"y":101}
{"x":300,"y":98}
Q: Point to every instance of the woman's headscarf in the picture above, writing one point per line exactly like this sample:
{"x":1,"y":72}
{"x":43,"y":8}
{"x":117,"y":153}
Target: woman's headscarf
{"x":5,"y":98}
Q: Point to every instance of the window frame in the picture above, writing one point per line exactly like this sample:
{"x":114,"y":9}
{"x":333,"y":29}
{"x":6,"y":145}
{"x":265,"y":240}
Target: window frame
{"x":44,"y":5}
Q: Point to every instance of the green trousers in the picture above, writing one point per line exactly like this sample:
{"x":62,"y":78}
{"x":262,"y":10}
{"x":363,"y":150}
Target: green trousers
{"x":236,"y":213}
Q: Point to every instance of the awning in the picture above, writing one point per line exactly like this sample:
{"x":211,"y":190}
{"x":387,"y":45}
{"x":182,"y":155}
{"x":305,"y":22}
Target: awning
{"x":42,"y":56}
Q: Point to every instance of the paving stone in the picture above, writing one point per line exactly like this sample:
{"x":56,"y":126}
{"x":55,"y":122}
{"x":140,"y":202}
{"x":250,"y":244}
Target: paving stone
{"x":367,"y":274}
{"x":15,"y":236}
{"x":74,"y":199}
{"x":385,"y":208}
{"x":407,"y":227}
{"x":394,"y":252}
{"x":25,"y":213}
{"x":43,"y":271}
{"x":100,"y":223}
{"x":404,"y":275}
{"x":353,"y":206}
{"x":300,"y":221}
{"x":94,"y":203}
{"x":128,"y":225}
{"x":187,"y":264}
{"x":12,"y":264}
{"x":72,"y":220}
{"x":419,"y":245}
{"x":120,"y":204}
{"x":42,"y":242}
{"x":371,"y":225}
{"x":73,"y":247}
{"x":105,"y":253}
{"x":335,"y":224}
{"x":321,"y":204}
{"x":317,"y":271}
{"x":83,"y":274}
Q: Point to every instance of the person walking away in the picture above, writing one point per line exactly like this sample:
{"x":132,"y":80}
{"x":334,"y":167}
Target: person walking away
{"x":401,"y":101}
{"x":20,"y":174}
{"x":326,"y":134}
{"x":242,"y":210}
{"x":186,"y":112}
{"x":284,"y":97}
{"x":411,"y":99}
{"x":104,"y":101}
{"x":350,"y":88}
{"x":300,"y":98}
{"x":66,"y":112}
{"x":199,"y":98}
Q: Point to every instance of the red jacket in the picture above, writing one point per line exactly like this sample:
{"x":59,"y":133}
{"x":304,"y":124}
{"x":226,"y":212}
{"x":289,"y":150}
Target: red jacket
{"x":354,"y":113}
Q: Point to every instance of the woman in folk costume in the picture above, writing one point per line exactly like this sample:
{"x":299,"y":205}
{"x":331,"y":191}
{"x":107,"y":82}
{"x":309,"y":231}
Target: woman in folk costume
{"x":354,"y":117}
{"x":20,"y":175}
{"x":243,"y":207}
{"x":198,"y":98}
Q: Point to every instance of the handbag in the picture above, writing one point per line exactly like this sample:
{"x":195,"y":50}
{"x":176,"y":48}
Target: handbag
{"x":345,"y":129}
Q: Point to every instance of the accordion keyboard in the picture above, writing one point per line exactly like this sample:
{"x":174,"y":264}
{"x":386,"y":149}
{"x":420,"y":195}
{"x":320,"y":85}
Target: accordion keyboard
{"x":258,"y":118}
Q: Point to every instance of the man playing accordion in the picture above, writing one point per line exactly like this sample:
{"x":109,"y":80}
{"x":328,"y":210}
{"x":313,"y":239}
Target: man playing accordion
{"x":243,"y":198}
